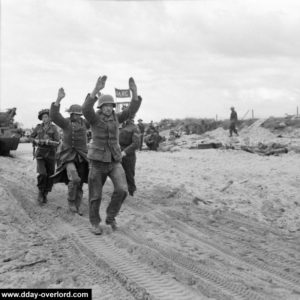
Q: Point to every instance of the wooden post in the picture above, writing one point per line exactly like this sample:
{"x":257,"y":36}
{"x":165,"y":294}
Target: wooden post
{"x":252,"y":114}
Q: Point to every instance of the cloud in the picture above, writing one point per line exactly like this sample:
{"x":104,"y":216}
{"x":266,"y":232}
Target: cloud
{"x":189,"y":58}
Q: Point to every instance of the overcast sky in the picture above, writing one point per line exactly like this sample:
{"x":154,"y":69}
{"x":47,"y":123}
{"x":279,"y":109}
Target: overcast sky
{"x":189,"y":58}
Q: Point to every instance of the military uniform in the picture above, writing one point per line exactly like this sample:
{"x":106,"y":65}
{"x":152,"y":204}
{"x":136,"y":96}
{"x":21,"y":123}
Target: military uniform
{"x":141,"y":127}
{"x":129,"y":139}
{"x":45,"y":156}
{"x":233,"y":122}
{"x":105,"y":157}
{"x":72,"y":162}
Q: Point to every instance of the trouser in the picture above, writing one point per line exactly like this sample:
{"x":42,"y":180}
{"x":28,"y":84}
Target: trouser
{"x":232,"y":128}
{"x":98,"y":173}
{"x":141,"y":141}
{"x":45,"y":168}
{"x":75,"y":184}
{"x":128,"y":163}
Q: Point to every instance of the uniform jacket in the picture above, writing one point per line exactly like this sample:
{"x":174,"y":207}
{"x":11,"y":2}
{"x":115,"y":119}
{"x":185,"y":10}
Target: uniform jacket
{"x":129,"y":138}
{"x":104,"y":145}
{"x":151,"y":129}
{"x":45,"y":132}
{"x":233,"y":116}
{"x":74,"y":136}
{"x":141,"y":127}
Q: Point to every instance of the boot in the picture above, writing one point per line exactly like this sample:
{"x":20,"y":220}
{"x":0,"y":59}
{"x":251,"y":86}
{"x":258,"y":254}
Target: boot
{"x":112,"y":222}
{"x":79,"y":211}
{"x":72,"y":207}
{"x":40,"y":197}
{"x":45,"y":200}
{"x":96,"y":229}
{"x":79,"y":195}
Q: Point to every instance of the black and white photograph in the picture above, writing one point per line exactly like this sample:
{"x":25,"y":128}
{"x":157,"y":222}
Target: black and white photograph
{"x":150,"y":149}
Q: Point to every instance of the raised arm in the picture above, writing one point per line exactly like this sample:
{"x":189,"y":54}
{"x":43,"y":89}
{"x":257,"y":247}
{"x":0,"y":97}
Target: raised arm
{"x":134,"y":104}
{"x":88,"y":105}
{"x":55,"y":115}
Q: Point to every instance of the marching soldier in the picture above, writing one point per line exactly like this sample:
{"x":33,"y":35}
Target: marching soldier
{"x":46,"y":138}
{"x":129,"y":139}
{"x":104,"y":151}
{"x":72,"y":163}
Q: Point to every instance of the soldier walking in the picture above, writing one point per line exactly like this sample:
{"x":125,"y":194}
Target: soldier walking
{"x":104,"y":152}
{"x":129,"y":139}
{"x":46,"y":138}
{"x":72,"y":162}
{"x":233,"y":122}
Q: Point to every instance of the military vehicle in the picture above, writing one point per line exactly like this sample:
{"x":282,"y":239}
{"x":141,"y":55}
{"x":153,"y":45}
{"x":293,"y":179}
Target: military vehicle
{"x":9,"y":132}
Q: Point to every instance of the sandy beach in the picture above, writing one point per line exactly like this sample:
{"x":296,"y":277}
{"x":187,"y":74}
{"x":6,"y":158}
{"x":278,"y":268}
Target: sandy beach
{"x":204,"y":224}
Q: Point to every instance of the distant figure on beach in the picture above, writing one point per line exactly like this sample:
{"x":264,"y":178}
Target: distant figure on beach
{"x":141,"y":127}
{"x":151,"y":128}
{"x":233,"y":122}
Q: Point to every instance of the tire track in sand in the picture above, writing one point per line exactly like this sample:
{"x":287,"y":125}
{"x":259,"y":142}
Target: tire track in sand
{"x":128,"y":271}
{"x":285,"y":280}
{"x":158,"y":285}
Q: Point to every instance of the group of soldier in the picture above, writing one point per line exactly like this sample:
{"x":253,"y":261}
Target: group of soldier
{"x":74,"y":162}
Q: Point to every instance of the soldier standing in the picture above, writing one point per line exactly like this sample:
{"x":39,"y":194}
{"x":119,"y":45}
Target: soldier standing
{"x":105,"y":153}
{"x":129,"y":142}
{"x":141,"y":127}
{"x":72,"y":162}
{"x":45,"y":136}
{"x":233,"y":122}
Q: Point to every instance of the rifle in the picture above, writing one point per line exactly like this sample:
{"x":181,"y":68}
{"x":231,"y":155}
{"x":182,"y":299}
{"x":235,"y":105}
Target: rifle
{"x":33,"y":152}
{"x":41,"y":142}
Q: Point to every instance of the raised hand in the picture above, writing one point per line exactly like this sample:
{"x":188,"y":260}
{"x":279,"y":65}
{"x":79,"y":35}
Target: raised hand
{"x":132,"y":85}
{"x":61,"y":94}
{"x":100,"y":84}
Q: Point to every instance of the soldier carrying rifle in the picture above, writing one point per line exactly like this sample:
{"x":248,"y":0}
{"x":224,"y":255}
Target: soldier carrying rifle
{"x":45,"y":137}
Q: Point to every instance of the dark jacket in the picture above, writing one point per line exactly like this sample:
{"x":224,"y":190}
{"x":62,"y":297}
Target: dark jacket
{"x":74,"y":136}
{"x":104,"y":145}
{"x":141,"y":127}
{"x":233,"y":116}
{"x":129,"y":138}
{"x":151,"y":129}
{"x":44,"y":132}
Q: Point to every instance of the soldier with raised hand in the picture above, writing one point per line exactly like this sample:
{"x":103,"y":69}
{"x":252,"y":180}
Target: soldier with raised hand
{"x":105,"y":153}
{"x":45,"y":137}
{"x":72,"y":162}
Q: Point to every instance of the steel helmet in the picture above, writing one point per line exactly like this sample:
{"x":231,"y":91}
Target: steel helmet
{"x":106,"y":99}
{"x":75,"y":109}
{"x":42,"y":112}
